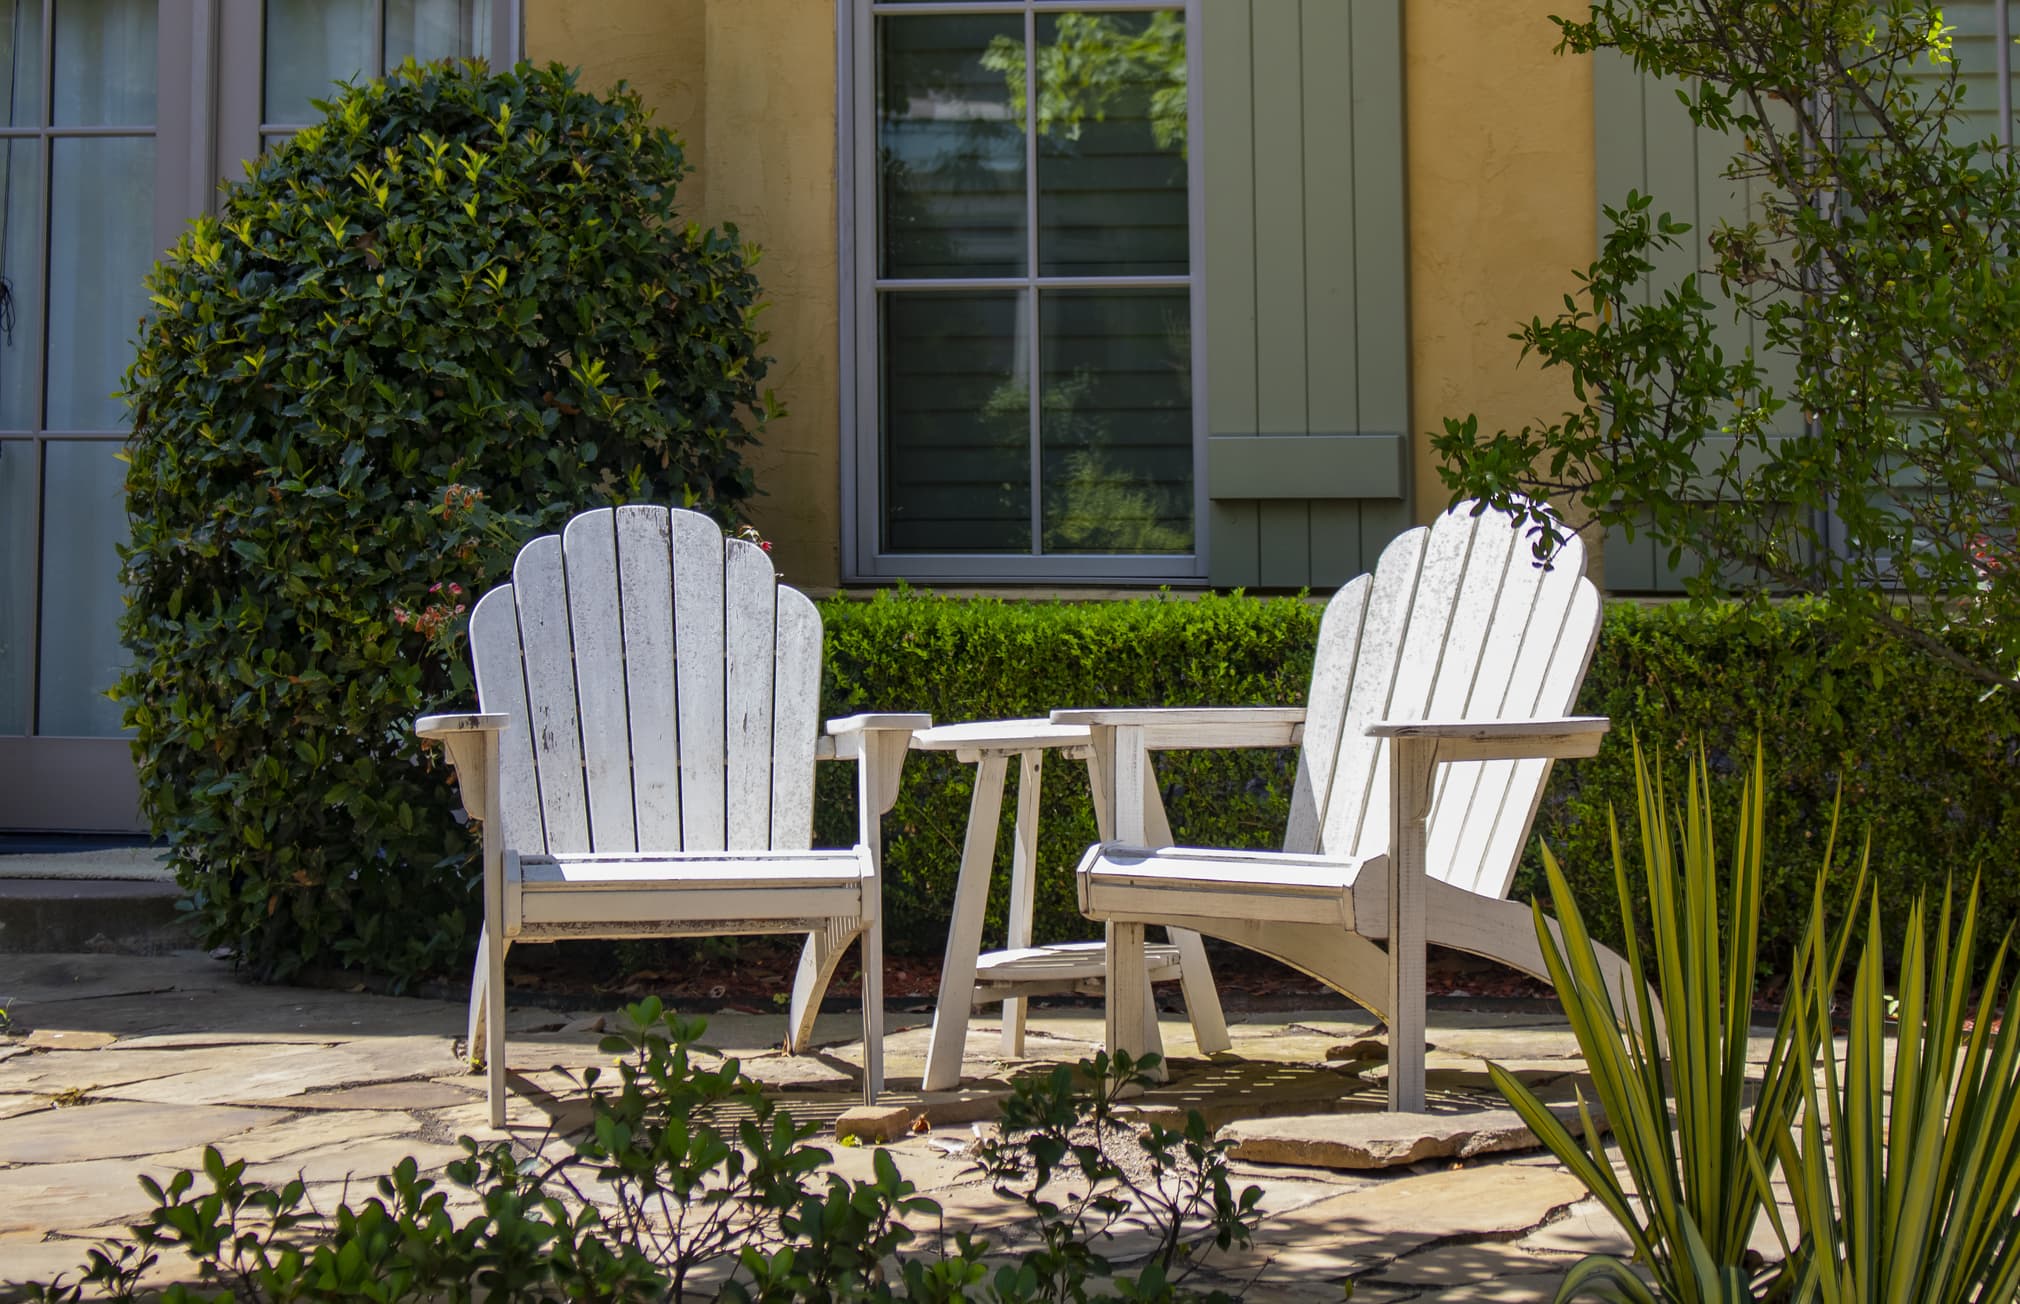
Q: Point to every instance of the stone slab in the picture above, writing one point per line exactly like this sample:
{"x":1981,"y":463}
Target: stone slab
{"x":68,"y":1039}
{"x":876,"y":1124}
{"x":1379,"y":1140}
{"x":404,"y":1096}
{"x":118,"y":1130}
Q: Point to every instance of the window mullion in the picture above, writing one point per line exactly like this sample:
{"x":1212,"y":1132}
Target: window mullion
{"x":1034,"y":373}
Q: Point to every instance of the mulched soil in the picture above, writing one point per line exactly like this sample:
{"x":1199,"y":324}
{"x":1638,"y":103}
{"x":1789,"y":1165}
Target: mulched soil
{"x":751,"y":974}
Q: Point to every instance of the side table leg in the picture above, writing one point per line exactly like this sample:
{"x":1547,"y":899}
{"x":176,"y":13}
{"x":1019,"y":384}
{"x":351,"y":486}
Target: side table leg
{"x":1023,"y":888}
{"x":964,"y":932}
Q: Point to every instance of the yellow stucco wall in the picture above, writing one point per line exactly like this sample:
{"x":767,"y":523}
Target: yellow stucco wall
{"x":749,"y":85}
{"x":1499,"y":132}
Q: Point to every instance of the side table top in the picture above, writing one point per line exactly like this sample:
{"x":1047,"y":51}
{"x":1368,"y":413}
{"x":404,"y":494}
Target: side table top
{"x":999,"y":735}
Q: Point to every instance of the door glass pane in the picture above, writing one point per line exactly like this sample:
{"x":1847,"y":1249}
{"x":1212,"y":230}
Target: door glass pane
{"x":101,"y":223}
{"x":1111,"y":145}
{"x":17,"y":581}
{"x":950,"y":146}
{"x":429,"y":29}
{"x":21,"y":62}
{"x":957,"y":423}
{"x":83,"y":519}
{"x":104,"y":63}
{"x":1116,"y":420}
{"x":20,"y":283}
{"x":309,"y":45}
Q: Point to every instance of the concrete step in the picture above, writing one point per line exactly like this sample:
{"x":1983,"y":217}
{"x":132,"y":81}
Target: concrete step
{"x":127,"y":917}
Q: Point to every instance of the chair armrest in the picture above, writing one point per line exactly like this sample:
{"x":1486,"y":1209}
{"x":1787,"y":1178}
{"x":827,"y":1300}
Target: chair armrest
{"x":443,"y":727}
{"x":877,"y":741}
{"x":909,"y":721}
{"x":1183,"y":728}
{"x":1502,"y":740}
{"x":472,"y":740}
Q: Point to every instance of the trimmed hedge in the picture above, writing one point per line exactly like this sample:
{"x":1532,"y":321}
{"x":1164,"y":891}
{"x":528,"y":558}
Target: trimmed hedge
{"x":1928,"y":767}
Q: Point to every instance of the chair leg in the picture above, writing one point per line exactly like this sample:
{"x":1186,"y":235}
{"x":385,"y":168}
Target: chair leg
{"x":494,"y":997}
{"x":873,"y":1011}
{"x":1202,"y":1001}
{"x":1128,"y":989}
{"x":474,"y":1034}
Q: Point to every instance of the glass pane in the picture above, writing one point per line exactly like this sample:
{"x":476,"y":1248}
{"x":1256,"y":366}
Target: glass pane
{"x":21,"y":62}
{"x":104,"y":63}
{"x":1111,"y":145}
{"x":1116,"y":420}
{"x":20,"y":285}
{"x":101,"y":244}
{"x":17,"y":581}
{"x":957,"y":423}
{"x":950,"y":146}
{"x":424,"y":30}
{"x":309,"y":45}
{"x":83,"y":520}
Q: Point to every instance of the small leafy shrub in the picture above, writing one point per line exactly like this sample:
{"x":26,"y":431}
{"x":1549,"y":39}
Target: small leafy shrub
{"x":702,"y":1189}
{"x":454,"y":312}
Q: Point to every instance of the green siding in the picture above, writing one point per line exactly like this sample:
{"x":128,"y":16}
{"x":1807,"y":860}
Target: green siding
{"x":1305,"y":286}
{"x":1643,"y":139}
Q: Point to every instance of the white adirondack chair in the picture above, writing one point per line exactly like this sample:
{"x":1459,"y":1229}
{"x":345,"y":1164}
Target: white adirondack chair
{"x":642,"y":760}
{"x":1436,"y":708}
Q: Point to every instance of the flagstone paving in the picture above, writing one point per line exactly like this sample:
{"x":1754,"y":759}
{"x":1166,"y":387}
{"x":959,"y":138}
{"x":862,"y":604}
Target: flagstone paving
{"x":130,"y":1065}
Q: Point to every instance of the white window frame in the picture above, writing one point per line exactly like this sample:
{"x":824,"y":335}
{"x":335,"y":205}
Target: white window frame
{"x":863,"y":557}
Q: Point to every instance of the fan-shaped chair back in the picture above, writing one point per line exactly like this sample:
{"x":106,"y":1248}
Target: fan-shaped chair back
{"x":1458,"y":622}
{"x":663,"y":688}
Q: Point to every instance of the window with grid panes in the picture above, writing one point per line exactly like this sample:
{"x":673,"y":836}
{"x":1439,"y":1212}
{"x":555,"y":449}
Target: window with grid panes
{"x":1025,"y":291}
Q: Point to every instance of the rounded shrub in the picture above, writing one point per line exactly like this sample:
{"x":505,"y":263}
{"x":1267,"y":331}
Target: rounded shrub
{"x":457,"y":310}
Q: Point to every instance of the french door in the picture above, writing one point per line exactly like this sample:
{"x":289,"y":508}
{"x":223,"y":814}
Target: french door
{"x":117,"y":117}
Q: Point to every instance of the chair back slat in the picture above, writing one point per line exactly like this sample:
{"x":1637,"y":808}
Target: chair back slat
{"x":1469,"y":679}
{"x":500,"y":667}
{"x":1426,"y":619}
{"x":750,"y":613}
{"x":1569,"y":654}
{"x":1333,"y":663}
{"x":541,"y":586}
{"x":1381,"y":643}
{"x":645,"y":594}
{"x":698,"y":674}
{"x":595,"y":621}
{"x":796,"y":715}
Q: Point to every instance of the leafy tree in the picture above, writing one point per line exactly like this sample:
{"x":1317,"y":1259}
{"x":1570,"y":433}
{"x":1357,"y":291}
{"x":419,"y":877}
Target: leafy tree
{"x":1095,"y":63}
{"x":1879,"y":273}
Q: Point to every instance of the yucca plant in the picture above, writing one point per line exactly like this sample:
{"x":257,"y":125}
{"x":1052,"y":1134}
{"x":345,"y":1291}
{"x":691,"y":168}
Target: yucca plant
{"x":1913,"y":1196}
{"x":1698,"y":1147}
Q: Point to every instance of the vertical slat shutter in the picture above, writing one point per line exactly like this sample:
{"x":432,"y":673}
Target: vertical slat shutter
{"x":1307,"y":346}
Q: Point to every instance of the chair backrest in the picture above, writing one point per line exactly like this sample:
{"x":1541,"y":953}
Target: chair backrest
{"x":1458,"y":622}
{"x":663,"y":688}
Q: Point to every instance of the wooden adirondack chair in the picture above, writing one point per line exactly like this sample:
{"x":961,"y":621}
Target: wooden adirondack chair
{"x":642,"y":760}
{"x":1436,"y":708}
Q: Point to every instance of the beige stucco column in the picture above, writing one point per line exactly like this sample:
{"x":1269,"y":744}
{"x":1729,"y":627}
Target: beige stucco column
{"x":749,"y":86}
{"x":1501,"y":210}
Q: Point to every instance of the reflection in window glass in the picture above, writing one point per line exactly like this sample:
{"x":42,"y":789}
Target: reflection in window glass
{"x":100,"y":246}
{"x":83,"y":522}
{"x":1115,"y":421}
{"x":21,"y":62}
{"x":311,"y":44}
{"x":104,"y":63}
{"x":1111,"y":144}
{"x":20,"y":284}
{"x":957,"y":423}
{"x":950,"y":150}
{"x":424,"y":30}
{"x":17,"y":582}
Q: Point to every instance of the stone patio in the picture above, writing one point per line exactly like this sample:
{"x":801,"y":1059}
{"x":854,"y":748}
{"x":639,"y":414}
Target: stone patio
{"x":131,"y":1064}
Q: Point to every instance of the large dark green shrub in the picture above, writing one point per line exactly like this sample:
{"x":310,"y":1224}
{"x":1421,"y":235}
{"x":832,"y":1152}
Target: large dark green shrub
{"x":456,"y":311}
{"x":1928,"y":763}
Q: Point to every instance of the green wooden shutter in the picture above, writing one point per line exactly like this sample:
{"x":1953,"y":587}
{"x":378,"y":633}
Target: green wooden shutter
{"x":1306,"y":314}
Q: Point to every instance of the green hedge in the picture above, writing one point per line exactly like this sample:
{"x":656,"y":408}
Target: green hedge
{"x":1928,"y":767}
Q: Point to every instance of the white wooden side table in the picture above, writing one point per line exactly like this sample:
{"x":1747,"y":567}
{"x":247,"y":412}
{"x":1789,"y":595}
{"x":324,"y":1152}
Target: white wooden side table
{"x":969,"y":976}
